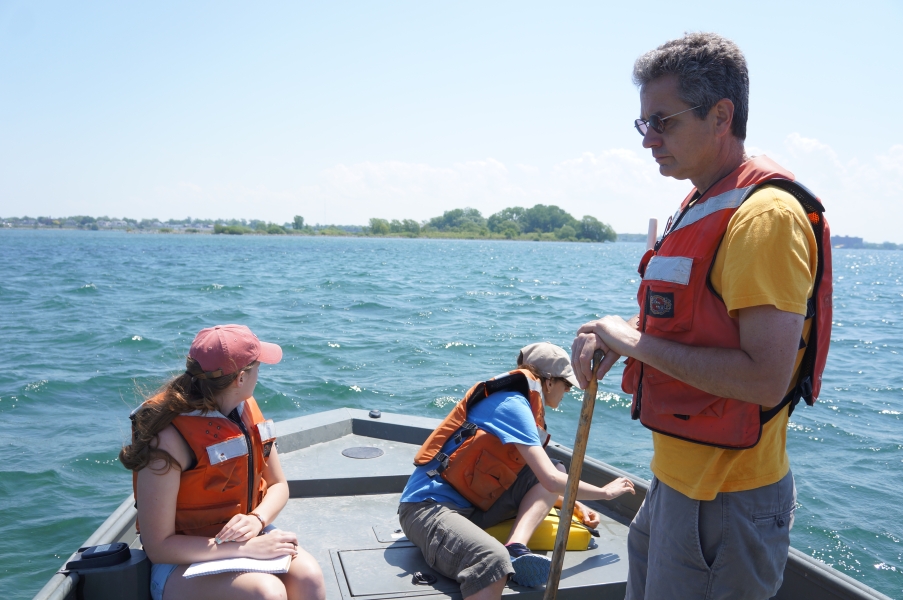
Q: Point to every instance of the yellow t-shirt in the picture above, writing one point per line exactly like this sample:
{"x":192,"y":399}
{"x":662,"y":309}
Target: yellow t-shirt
{"x":768,"y":256}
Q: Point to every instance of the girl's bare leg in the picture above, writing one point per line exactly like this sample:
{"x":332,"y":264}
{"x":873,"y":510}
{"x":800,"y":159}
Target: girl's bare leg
{"x":533,"y":509}
{"x":304,"y":580}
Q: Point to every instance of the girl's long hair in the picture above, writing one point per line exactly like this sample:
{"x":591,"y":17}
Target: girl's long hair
{"x":187,"y":392}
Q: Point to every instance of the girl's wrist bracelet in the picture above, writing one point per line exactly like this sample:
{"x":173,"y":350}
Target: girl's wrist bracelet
{"x":259,"y":518}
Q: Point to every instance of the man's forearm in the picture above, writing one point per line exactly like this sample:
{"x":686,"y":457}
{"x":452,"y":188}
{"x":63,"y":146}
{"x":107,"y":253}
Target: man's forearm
{"x":758,"y":372}
{"x":720,"y":371}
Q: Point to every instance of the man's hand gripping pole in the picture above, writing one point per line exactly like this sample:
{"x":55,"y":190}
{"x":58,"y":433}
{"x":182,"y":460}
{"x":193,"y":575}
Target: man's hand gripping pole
{"x":570,"y":495}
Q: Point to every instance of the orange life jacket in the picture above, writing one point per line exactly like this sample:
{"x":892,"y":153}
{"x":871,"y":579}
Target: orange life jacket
{"x":677,"y":302}
{"x":482,"y":467}
{"x":228,"y":477}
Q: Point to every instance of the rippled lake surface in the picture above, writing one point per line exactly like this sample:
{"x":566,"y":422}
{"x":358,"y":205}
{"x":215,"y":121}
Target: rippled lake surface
{"x":91,"y":321}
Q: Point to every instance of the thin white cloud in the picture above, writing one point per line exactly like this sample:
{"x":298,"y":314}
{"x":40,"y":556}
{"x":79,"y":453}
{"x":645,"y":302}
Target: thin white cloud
{"x":621,"y":187}
{"x":862,"y":197}
{"x":610,"y":186}
{"x":400,"y":181}
{"x":399,"y":190}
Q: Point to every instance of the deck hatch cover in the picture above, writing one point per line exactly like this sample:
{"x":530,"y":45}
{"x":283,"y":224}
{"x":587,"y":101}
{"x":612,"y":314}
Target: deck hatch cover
{"x":363,"y":452}
{"x":388,"y":573}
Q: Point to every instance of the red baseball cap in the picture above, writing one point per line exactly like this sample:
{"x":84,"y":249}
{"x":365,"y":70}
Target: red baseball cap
{"x":229,"y":348}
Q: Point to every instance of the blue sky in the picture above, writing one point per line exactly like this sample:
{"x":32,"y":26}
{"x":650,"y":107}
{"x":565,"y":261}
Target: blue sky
{"x":344,"y":111}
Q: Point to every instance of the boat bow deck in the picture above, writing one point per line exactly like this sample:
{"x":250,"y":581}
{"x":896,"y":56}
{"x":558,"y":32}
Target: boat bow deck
{"x":344,"y":512}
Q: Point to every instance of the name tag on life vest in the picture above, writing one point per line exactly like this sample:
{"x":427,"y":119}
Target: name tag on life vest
{"x":227,"y":450}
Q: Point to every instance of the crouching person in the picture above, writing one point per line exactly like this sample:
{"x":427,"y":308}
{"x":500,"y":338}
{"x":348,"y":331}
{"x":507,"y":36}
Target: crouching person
{"x":485,"y":464}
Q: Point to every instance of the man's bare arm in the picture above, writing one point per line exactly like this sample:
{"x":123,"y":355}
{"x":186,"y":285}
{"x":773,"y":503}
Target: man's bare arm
{"x":759,"y":372}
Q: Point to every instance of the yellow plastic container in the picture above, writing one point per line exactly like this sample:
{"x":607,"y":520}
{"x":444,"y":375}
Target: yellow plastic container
{"x":544,"y":536}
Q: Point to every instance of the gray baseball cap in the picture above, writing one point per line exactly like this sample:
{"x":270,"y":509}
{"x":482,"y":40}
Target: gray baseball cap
{"x":551,"y":360}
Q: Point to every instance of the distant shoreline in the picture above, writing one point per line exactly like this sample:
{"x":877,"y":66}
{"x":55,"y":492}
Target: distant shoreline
{"x":334,"y":232}
{"x":632,"y":238}
{"x":538,"y":223}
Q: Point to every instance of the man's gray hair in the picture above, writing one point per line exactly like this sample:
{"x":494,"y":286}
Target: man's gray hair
{"x":708,"y":68}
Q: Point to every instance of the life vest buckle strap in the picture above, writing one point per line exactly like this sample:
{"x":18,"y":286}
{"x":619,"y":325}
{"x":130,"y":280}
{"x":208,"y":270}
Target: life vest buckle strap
{"x":803,"y":195}
{"x":467,"y":430}
{"x":443,"y":464}
{"x":803,"y":389}
{"x":442,"y":457}
{"x":638,"y":403}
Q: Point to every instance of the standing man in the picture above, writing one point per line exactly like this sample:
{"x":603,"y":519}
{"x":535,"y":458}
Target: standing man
{"x":733,"y":329}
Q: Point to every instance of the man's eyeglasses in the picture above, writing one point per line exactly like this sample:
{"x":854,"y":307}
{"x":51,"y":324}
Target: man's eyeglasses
{"x":656,"y":122}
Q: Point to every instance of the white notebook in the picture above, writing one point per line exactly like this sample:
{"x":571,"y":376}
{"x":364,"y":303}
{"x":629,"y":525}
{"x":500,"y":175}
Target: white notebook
{"x":254,"y":565}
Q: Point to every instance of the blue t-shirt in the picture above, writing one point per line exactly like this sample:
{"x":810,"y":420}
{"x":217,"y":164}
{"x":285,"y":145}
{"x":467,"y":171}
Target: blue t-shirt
{"x":504,"y":414}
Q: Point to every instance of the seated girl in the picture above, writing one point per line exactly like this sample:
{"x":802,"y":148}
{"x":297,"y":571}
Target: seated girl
{"x":207,"y":479}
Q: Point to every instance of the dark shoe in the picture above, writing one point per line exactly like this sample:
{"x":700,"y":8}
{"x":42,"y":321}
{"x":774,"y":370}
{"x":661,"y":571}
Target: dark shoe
{"x":531,"y":570}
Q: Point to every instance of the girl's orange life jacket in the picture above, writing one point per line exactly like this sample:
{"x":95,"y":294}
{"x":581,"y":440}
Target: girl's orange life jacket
{"x":677,"y":302}
{"x":481,"y":468}
{"x":228,"y":477}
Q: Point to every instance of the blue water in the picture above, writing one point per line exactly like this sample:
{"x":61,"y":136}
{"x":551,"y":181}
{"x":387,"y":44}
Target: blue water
{"x":91,"y":321}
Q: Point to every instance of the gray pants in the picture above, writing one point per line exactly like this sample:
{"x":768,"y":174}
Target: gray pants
{"x":453,"y":541}
{"x":733,"y":547}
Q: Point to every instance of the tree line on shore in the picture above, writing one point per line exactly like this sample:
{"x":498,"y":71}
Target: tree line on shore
{"x":541,"y":222}
{"x":187,"y":225}
{"x":105,"y":222}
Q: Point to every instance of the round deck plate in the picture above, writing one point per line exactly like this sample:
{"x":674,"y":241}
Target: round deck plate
{"x":362,"y":452}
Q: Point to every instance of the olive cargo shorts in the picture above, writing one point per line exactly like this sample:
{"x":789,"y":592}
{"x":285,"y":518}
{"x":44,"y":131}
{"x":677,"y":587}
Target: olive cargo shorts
{"x":733,"y":547}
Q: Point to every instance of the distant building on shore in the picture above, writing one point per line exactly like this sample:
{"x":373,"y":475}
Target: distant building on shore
{"x":845,"y":241}
{"x":632,"y":237}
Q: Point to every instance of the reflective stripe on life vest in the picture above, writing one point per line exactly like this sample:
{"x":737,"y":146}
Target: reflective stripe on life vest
{"x":675,"y":269}
{"x":267,"y":430}
{"x":730,"y":200}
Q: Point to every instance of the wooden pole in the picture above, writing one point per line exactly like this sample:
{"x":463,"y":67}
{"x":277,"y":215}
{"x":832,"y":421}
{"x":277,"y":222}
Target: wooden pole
{"x":652,"y":235}
{"x":570,"y":494}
